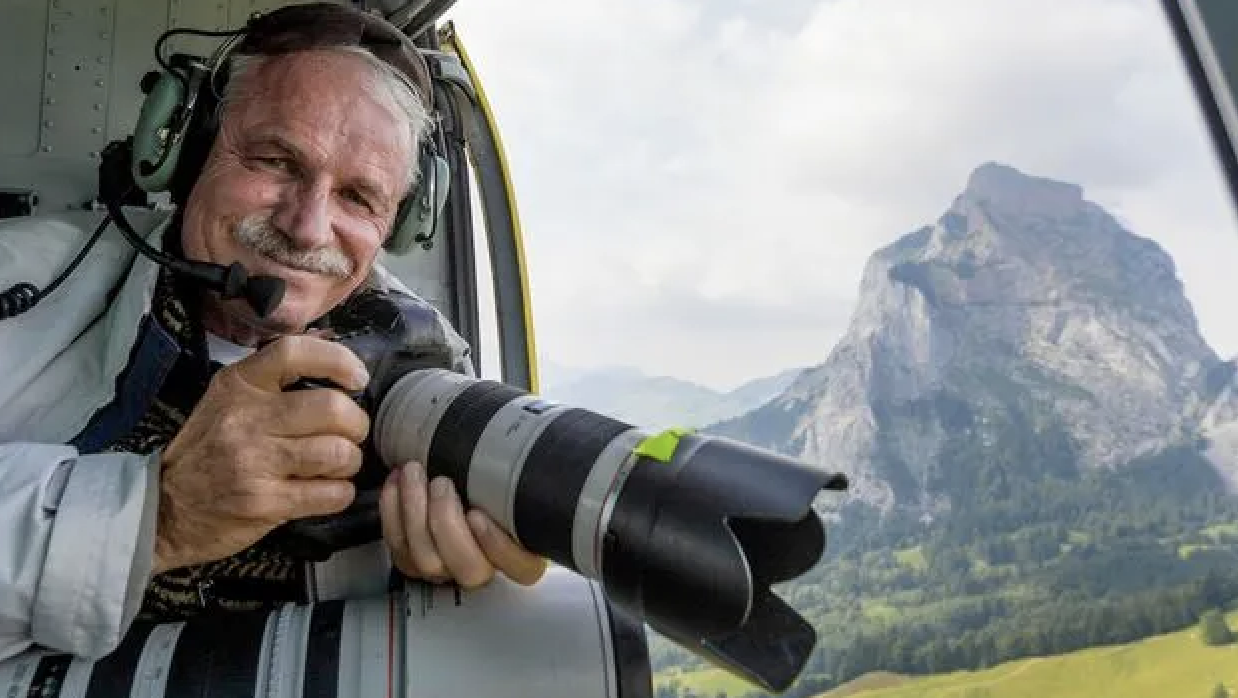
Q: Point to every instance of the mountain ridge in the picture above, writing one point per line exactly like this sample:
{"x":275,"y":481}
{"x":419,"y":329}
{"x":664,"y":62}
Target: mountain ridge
{"x":657,"y":401}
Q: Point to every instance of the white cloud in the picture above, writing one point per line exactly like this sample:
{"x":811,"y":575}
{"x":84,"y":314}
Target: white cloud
{"x":684,"y":162}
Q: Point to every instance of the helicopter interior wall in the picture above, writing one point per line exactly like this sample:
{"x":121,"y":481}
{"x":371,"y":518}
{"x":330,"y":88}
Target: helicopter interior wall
{"x":70,"y":84}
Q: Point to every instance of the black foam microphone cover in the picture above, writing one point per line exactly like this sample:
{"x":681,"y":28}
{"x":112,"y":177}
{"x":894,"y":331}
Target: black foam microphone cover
{"x":264,"y":293}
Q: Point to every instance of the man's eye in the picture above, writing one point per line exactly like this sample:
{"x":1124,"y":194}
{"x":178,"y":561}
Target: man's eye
{"x":274,"y":163}
{"x":358,"y":199}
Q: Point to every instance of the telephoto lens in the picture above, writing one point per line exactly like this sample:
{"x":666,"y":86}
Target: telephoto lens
{"x":686,"y":531}
{"x":558,"y":639}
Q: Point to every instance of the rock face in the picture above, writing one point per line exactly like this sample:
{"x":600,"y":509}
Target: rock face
{"x":1023,"y":303}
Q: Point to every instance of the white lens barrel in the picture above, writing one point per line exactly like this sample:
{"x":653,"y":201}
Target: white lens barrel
{"x":557,"y":639}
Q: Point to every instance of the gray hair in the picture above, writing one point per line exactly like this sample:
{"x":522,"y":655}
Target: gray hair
{"x":388,"y":86}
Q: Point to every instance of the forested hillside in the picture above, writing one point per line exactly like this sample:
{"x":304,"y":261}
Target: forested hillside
{"x":1030,"y":567}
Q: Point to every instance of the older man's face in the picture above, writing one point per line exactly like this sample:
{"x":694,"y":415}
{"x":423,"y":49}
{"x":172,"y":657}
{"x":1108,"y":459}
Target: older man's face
{"x":302,"y":183}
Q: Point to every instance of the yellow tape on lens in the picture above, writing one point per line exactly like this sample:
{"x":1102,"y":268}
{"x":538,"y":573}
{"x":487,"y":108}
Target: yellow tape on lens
{"x":661,"y":446}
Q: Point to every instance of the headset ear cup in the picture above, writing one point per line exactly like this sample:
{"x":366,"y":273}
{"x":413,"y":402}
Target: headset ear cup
{"x":196,"y":146}
{"x":403,"y":227}
{"x":420,"y":211}
{"x":152,"y":166}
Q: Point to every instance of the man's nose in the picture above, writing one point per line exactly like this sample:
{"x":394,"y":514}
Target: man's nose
{"x":304,"y":215}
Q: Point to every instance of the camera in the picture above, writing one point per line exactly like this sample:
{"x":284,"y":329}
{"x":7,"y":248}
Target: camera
{"x":685,"y":531}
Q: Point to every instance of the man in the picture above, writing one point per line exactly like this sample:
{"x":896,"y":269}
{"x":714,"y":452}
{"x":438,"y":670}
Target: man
{"x":147,"y":442}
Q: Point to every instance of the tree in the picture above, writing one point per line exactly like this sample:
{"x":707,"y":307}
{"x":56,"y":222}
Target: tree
{"x":1214,"y":630}
{"x":1220,"y":691}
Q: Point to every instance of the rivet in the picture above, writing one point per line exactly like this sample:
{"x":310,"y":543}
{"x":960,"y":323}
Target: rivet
{"x":98,"y":107}
{"x":51,"y":100}
{"x":102,"y":60}
{"x":96,"y":129}
{"x":98,"y":83}
{"x":51,"y":76}
{"x":102,"y":35}
{"x":93,"y":155}
{"x":48,"y":123}
{"x":47,"y":149}
{"x":51,"y":51}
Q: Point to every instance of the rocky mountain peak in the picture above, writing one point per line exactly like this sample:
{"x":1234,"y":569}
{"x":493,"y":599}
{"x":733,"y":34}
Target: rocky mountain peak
{"x":1006,"y":189}
{"x":1024,"y":303}
{"x":1021,"y":241}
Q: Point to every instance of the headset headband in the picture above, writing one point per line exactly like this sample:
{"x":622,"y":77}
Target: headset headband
{"x":304,"y":27}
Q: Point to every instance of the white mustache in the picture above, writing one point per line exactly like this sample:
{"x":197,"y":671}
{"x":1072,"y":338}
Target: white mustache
{"x":257,"y":233}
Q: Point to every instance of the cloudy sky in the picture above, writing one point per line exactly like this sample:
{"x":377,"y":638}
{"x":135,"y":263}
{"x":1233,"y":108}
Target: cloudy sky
{"x":701,"y":181}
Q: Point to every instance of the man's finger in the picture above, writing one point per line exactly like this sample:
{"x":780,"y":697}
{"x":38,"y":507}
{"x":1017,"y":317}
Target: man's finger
{"x":316,"y":497}
{"x":293,"y":357}
{"x":518,"y":564}
{"x":393,"y":525}
{"x":321,"y":411}
{"x":454,"y":539}
{"x":415,"y":508}
{"x":325,"y":456}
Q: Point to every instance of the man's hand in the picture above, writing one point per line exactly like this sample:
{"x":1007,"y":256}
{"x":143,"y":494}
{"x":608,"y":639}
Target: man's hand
{"x":431,"y":537}
{"x":251,"y":456}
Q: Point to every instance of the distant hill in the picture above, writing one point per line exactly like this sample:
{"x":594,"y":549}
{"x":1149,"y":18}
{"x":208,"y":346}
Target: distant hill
{"x":656,"y":402}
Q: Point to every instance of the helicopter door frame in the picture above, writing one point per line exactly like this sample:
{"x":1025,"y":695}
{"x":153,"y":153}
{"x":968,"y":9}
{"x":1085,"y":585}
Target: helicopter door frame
{"x":470,"y":110}
{"x":1206,"y":35}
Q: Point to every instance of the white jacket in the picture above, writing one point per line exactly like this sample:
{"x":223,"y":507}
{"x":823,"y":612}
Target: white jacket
{"x":77,"y":528}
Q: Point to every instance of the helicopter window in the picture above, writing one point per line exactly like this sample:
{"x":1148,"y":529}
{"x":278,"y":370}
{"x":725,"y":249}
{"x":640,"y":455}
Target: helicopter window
{"x":977,"y":255}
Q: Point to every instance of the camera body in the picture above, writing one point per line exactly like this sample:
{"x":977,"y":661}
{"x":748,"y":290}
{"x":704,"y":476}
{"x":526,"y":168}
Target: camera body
{"x":393,"y":335}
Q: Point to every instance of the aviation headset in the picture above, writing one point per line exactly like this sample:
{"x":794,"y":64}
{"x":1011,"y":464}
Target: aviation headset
{"x":179,"y":118}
